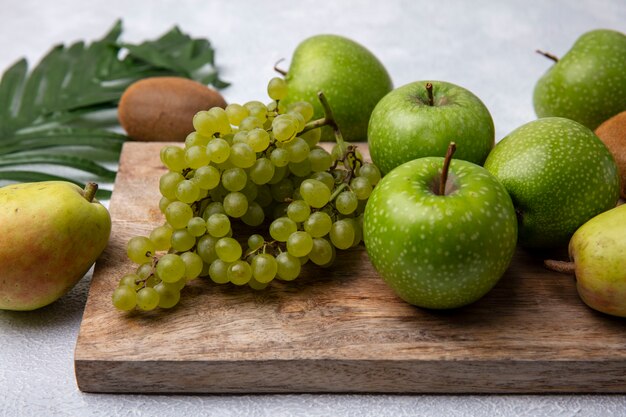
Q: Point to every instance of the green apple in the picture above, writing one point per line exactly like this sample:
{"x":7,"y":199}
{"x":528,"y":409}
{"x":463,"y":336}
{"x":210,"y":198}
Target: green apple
{"x":437,"y":249}
{"x":52,"y":232}
{"x":421,"y":118}
{"x":559,"y":175}
{"x":589,"y":83}
{"x":350,"y":76}
{"x":597,"y":258}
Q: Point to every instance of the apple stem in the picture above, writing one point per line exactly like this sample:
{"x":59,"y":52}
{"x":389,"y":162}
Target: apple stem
{"x":560,"y":266}
{"x":280,"y":70}
{"x":548,"y":55}
{"x":429,"y":90}
{"x":90,"y":191}
{"x":446,"y":168}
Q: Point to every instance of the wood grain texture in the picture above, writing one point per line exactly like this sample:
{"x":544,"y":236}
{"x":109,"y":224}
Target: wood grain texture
{"x":335,"y":330}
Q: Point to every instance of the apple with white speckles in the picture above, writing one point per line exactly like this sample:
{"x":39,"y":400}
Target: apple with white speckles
{"x":588,"y":84}
{"x":559,"y":175}
{"x":351,"y":77}
{"x":440,"y":246}
{"x":421,"y":118}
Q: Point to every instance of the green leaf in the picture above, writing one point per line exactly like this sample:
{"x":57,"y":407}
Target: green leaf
{"x":76,"y":162}
{"x":35,"y":176}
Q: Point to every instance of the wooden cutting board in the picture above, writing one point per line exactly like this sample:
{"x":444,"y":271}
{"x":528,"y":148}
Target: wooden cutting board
{"x":335,"y":330}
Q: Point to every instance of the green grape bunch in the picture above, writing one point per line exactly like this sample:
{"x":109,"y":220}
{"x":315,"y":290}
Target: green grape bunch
{"x":254,"y":165}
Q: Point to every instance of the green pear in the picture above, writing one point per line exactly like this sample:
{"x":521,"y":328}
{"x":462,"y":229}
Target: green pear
{"x":597,"y":258}
{"x":559,"y":175}
{"x":52,"y":232}
{"x":588,"y":84}
{"x":350,"y":76}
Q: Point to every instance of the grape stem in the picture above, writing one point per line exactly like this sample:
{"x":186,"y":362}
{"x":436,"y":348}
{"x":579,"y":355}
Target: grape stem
{"x":338,"y":190}
{"x":327,"y":120}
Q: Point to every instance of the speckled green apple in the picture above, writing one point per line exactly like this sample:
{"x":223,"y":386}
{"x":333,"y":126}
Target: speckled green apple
{"x":52,"y":233}
{"x":440,"y":251}
{"x":597,"y":250}
{"x":406,"y":124}
{"x":351,"y":77}
{"x":588,"y":84}
{"x":559,"y":175}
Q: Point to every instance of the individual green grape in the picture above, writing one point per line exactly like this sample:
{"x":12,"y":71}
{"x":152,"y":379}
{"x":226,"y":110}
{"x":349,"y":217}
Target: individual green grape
{"x":280,"y":157}
{"x":254,"y":215}
{"x":178,"y":214}
{"x":264,"y":196}
{"x":173,"y":157}
{"x":140,"y":249}
{"x":346,"y":202}
{"x":312,"y":137}
{"x":298,"y":119}
{"x":362,"y":187}
{"x":206,"y":248}
{"x":256,"y":285}
{"x":163,"y":203}
{"x":182,"y":240}
{"x":251,"y":122}
{"x":196,"y":139}
{"x":342,"y":234}
{"x":235,"y":204}
{"x":145,"y":270}
{"x":300,"y":169}
{"x":196,"y":156}
{"x":258,"y":139}
{"x":124,"y":298}
{"x":299,"y":244}
{"x":239,"y":272}
{"x":218,"y":225}
{"x":213,"y":208}
{"x":169,"y":295}
{"x":262,"y":171}
{"x":204,"y":123}
{"x":236,"y":113}
{"x":298,"y":150}
{"x":193,"y":264}
{"x":161,"y":236}
{"x":187,"y":191}
{"x":304,"y":108}
{"x":228,"y":249}
{"x":284,"y":128}
{"x":315,"y":193}
{"x":320,"y":160}
{"x":264,"y":267}
{"x":277,"y":88}
{"x":207,"y":177}
{"x":321,"y":252}
{"x":196,"y":226}
{"x":318,"y":224}
{"x":218,"y":150}
{"x":325,"y":177}
{"x":147,"y":298}
{"x":371,"y":172}
{"x":241,"y":136}
{"x":282,"y":228}
{"x":222,"y":124}
{"x":170,"y":268}
{"x":288,"y":266}
{"x":168,"y":183}
{"x":242,"y":155}
{"x":298,"y":211}
{"x":282,"y":190}
{"x":218,"y":271}
{"x":279,"y":174}
{"x":250,"y":190}
{"x":130,"y":280}
{"x":255,"y":241}
{"x":234,"y":179}
{"x":256,"y":108}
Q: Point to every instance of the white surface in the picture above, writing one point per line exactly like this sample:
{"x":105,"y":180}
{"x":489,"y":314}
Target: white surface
{"x":485,"y":46}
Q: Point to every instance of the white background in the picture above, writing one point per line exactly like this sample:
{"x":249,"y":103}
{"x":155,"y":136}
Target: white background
{"x":485,"y":46}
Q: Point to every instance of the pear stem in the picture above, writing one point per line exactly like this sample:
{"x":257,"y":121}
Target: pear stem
{"x":429,"y":90}
{"x":563,"y":267}
{"x":548,"y":55}
{"x":446,"y":168}
{"x":280,"y":70}
{"x":90,"y":191}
